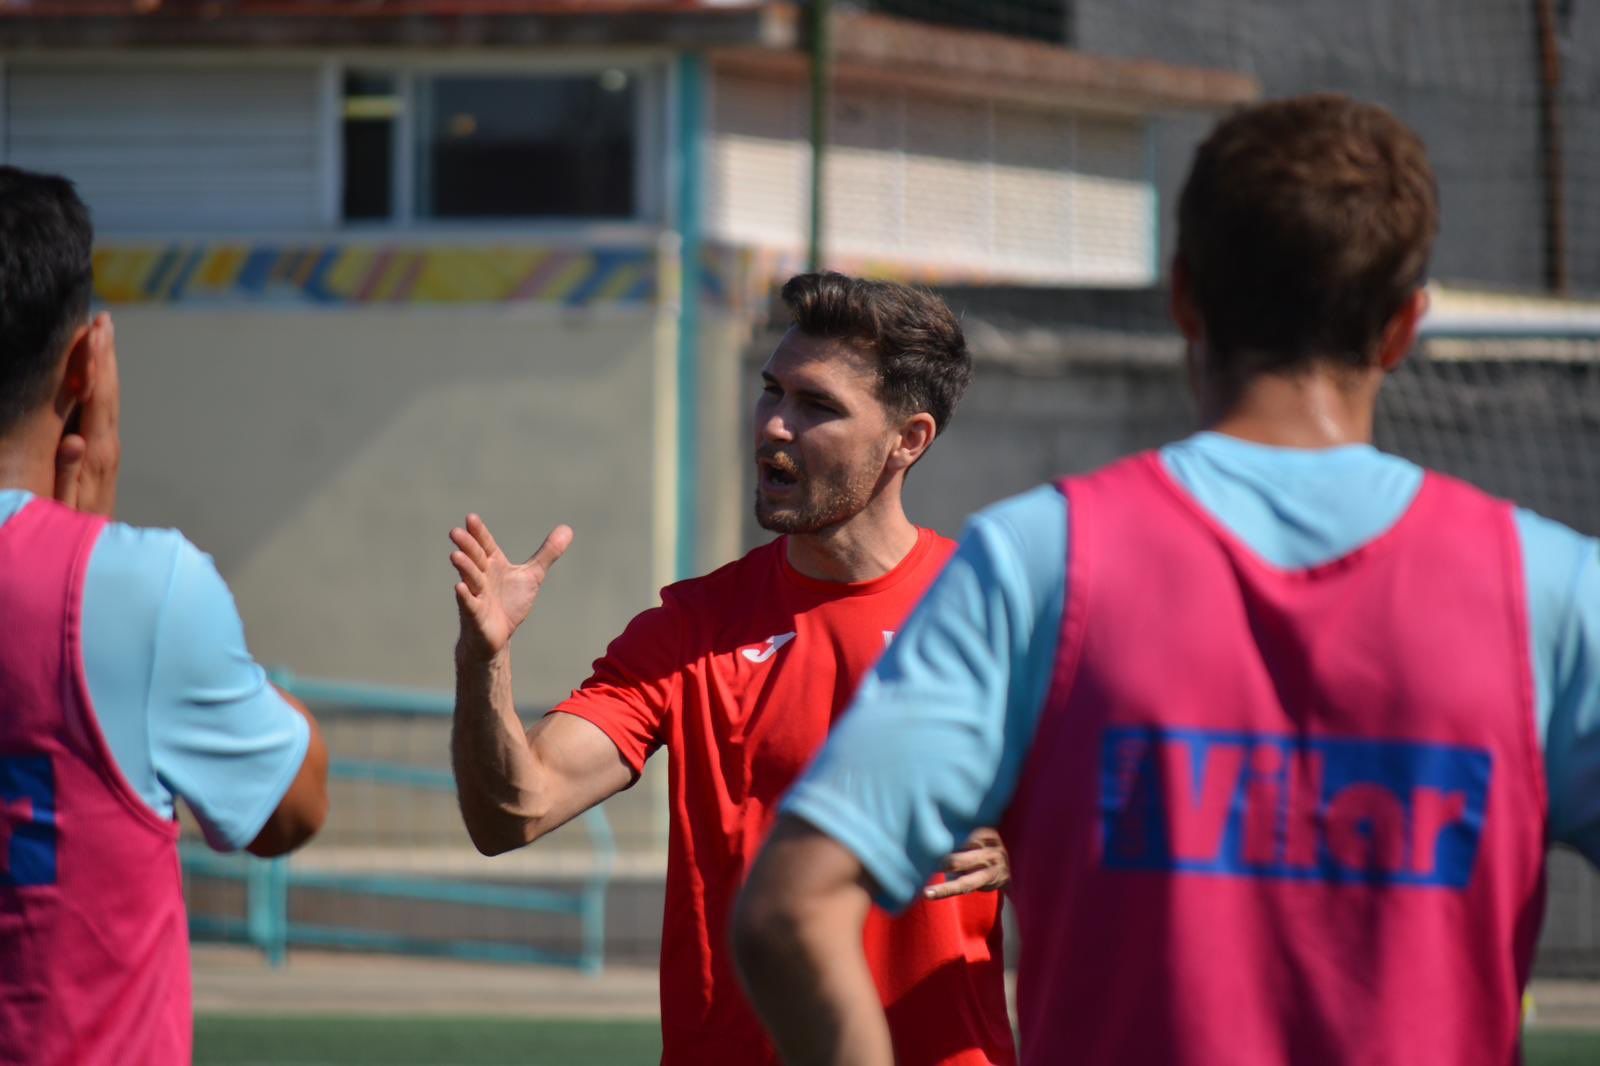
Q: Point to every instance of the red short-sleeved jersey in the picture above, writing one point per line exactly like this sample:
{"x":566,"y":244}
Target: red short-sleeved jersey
{"x":740,"y":674}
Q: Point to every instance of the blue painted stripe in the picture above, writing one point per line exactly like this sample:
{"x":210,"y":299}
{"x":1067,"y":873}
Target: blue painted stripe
{"x":643,"y":290}
{"x":158,"y":277}
{"x":316,"y":283}
{"x":257,"y":270}
{"x":191,"y":263}
{"x":606,"y":264}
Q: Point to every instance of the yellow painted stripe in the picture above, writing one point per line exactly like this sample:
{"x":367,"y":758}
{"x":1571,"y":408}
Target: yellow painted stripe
{"x":302,"y":273}
{"x":221,"y":267}
{"x":567,"y":278}
{"x":349,"y":271}
{"x":469,"y":275}
{"x":120,"y":273}
{"x":622,"y":279}
{"x":393,"y":274}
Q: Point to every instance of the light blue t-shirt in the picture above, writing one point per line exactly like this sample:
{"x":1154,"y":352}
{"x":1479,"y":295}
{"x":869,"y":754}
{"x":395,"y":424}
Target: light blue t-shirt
{"x":184,"y":708}
{"x":934,"y":743}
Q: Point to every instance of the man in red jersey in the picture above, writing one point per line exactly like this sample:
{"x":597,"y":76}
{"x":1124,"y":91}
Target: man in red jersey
{"x":741,"y":673}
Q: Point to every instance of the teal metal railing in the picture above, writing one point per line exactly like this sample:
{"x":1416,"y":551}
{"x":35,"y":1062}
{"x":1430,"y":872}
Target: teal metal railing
{"x":268,"y":924}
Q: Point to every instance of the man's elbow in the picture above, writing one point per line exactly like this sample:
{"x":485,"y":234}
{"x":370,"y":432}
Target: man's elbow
{"x":496,"y":839}
{"x":765,"y":931}
{"x":303,"y":809}
{"x":498,"y":828}
{"x":287,"y":830}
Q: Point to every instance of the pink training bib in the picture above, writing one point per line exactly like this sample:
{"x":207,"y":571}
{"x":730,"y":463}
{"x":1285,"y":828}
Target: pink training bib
{"x":94,"y":953}
{"x":1277,"y":816}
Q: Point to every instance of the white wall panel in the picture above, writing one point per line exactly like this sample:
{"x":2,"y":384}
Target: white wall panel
{"x":958,"y":186}
{"x":174,"y":150}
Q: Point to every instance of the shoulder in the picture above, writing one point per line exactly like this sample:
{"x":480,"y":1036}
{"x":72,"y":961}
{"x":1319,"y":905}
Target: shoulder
{"x":1027,"y":533}
{"x":725,"y":581}
{"x":1547,"y":538}
{"x":1013,"y":552}
{"x":690,"y":608}
{"x":1555,"y":559}
{"x":156,"y":581}
{"x":133,"y":569}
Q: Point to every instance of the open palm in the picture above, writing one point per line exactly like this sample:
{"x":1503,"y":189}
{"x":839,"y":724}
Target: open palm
{"x":494,"y":594}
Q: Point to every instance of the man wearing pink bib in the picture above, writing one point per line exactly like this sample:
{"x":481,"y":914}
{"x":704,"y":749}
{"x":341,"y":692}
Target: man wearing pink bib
{"x":1277,"y":727}
{"x":124,"y":684}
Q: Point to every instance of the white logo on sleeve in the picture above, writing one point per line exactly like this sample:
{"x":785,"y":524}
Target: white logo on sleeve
{"x":888,"y":637}
{"x":773,"y":644}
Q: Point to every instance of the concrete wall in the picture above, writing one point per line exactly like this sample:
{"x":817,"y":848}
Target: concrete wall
{"x":322,"y":458}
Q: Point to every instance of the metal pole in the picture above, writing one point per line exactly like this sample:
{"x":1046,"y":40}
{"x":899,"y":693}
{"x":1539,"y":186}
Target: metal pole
{"x":691,"y":119}
{"x":1555,"y":207}
{"x":821,"y":102}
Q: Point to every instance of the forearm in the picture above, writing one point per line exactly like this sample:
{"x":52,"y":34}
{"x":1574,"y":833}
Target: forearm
{"x":797,"y":938}
{"x":498,"y":783}
{"x":816,"y":998}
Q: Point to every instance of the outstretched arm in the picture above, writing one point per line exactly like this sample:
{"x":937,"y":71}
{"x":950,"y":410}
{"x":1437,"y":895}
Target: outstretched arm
{"x":514,"y":786}
{"x":797,"y":940}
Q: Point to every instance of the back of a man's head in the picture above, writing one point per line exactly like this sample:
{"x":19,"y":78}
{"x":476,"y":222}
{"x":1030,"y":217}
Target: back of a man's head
{"x":46,"y":281}
{"x":1304,"y":226}
{"x":911,"y":336}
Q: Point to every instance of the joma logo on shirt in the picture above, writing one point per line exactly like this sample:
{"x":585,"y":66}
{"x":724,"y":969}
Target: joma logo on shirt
{"x":761,"y":655}
{"x":1247,"y":805}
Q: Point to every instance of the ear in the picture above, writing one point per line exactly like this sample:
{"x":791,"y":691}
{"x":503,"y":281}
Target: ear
{"x":1182,"y":306}
{"x":915,"y":436}
{"x":1400,"y":335}
{"x":79,"y":369}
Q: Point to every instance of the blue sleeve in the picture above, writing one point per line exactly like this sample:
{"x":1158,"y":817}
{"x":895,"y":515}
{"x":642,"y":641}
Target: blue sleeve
{"x":164,"y":650}
{"x":1563,"y":577}
{"x":934,"y":742}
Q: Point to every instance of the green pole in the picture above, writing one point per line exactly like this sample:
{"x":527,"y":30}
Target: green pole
{"x":821,"y":69}
{"x":691,"y":119}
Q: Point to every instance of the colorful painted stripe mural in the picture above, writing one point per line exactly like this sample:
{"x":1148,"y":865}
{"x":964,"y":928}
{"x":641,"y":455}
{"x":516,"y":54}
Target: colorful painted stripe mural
{"x":739,"y":279}
{"x":379,"y":274}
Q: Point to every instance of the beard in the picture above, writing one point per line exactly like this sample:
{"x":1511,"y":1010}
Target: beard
{"x":817,"y":503}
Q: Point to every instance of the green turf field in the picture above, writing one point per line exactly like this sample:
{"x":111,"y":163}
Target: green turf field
{"x":312,"y":1040}
{"x":341,"y":1040}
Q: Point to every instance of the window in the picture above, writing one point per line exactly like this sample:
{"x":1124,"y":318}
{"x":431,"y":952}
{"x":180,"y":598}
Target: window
{"x":371,"y":107}
{"x":494,"y":146}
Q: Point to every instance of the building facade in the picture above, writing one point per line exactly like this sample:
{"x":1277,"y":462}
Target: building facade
{"x":374,"y":269}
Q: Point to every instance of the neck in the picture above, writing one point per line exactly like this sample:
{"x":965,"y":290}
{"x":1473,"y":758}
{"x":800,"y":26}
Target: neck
{"x":1316,"y":408}
{"x":28,"y":456}
{"x":865,"y":547}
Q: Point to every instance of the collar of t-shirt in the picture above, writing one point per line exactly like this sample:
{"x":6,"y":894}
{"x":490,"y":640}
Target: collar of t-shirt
{"x":1295,"y":507}
{"x":12,"y":501}
{"x":926,"y":539}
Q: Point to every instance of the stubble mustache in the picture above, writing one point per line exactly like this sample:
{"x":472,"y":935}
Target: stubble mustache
{"x":779,"y":461}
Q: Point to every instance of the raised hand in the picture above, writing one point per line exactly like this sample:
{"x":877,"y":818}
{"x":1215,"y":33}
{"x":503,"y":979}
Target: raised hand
{"x":88,"y":460}
{"x":980,"y":865}
{"x":494,"y":594}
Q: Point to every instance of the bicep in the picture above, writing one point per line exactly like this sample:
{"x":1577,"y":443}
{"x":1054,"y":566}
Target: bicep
{"x":1572,"y":741}
{"x":579,"y":763}
{"x":634,"y":686}
{"x":221,"y":737}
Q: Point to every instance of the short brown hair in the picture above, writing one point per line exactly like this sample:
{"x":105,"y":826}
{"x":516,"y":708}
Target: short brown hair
{"x":914,"y":339}
{"x":1304,"y":225}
